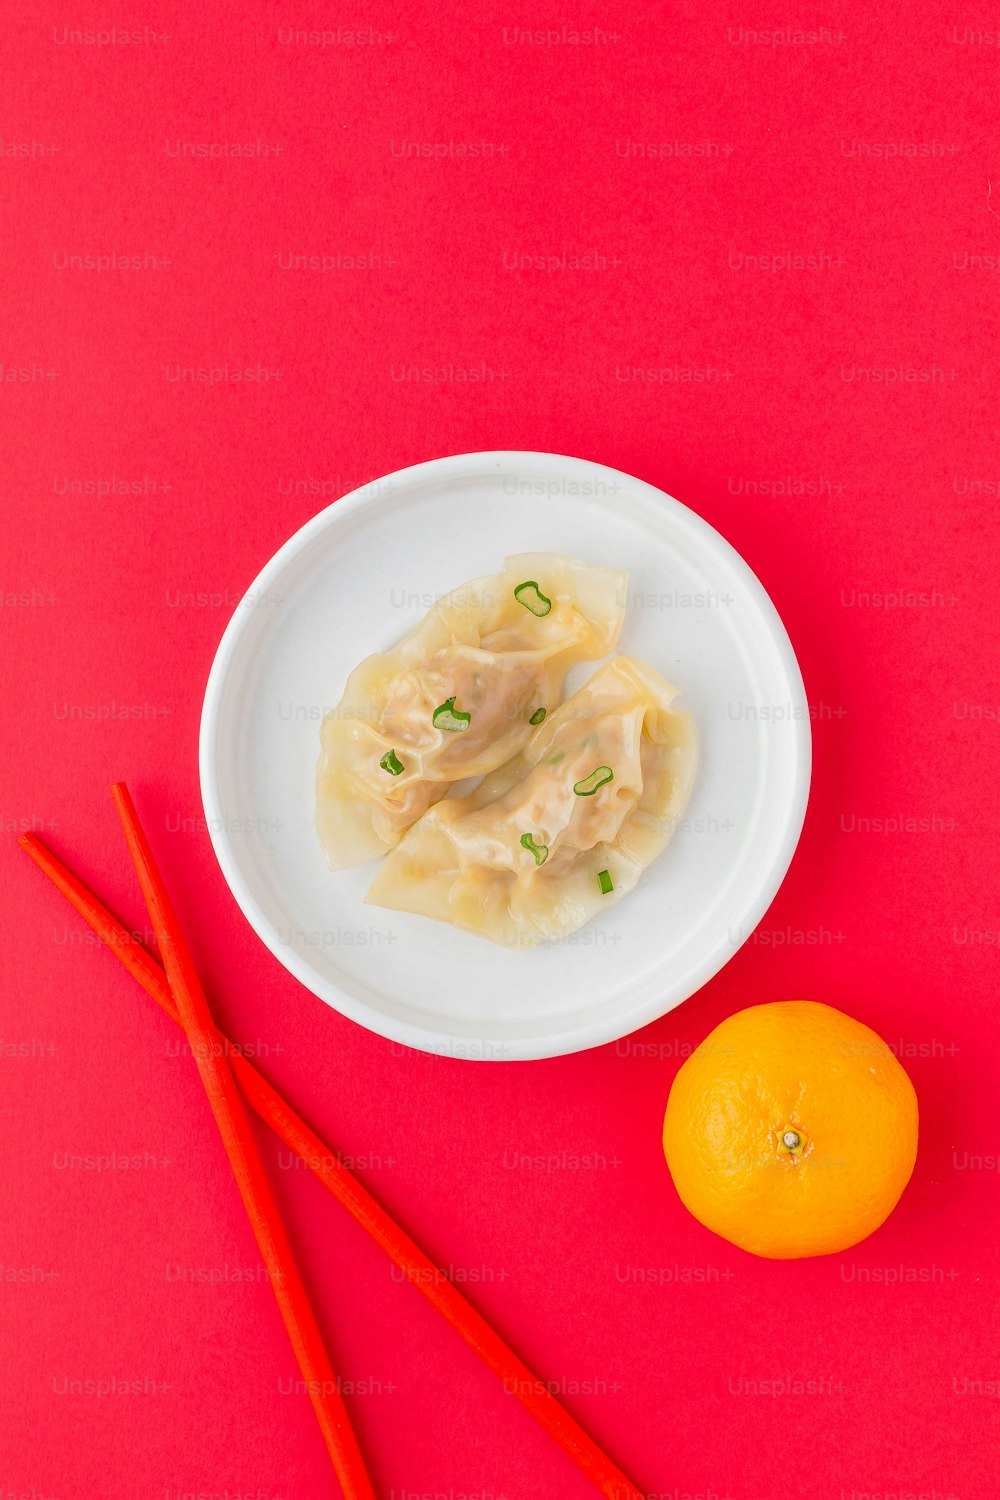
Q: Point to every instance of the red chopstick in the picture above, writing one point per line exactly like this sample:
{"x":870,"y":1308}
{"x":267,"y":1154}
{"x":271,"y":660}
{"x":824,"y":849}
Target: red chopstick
{"x":248,"y":1168}
{"x":405,"y":1253}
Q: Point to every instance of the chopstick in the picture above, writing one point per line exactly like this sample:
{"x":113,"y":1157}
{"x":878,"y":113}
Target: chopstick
{"x":404,"y":1252}
{"x":248,"y":1168}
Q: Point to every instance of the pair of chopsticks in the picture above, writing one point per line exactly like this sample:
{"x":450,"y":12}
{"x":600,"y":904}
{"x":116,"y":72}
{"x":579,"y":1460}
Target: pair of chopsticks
{"x":225,"y":1072}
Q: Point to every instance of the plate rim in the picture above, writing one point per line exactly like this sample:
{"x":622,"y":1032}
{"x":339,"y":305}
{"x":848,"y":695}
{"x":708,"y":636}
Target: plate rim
{"x":495,"y":1047}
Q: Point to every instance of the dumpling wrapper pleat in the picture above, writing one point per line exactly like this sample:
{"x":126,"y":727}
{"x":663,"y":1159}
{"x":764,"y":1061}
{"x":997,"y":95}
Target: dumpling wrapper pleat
{"x":499,"y":661}
{"x":463,"y":862}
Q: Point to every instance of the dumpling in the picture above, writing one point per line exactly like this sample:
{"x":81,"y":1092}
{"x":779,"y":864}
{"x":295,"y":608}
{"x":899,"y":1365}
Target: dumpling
{"x":455,"y":698}
{"x":562,"y":830}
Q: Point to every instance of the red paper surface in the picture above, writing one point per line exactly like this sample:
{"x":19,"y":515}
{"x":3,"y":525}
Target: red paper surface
{"x":659,"y":167}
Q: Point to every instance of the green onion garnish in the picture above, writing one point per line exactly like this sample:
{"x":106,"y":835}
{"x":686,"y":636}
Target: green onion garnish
{"x":590,"y":784}
{"x":605,"y":882}
{"x":447,"y":716}
{"x":391,"y":762}
{"x":540,"y":851}
{"x":531,"y":596}
{"x":537,"y":716}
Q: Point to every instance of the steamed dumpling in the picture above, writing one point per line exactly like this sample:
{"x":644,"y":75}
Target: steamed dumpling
{"x":599,"y":787}
{"x":454,"y":698}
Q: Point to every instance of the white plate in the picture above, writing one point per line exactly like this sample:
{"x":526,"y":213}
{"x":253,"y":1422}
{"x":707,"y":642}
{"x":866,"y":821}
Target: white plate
{"x":358,"y":576}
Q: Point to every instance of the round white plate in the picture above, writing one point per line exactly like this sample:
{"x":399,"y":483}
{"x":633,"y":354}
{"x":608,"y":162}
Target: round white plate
{"x":354,"y":580}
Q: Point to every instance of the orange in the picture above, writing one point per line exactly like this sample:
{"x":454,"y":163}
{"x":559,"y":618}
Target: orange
{"x":791,"y":1130}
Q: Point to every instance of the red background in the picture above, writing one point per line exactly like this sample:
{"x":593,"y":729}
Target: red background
{"x":836,"y":489}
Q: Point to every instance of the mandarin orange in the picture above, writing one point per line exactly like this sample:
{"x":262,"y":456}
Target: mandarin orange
{"x":791,"y":1130}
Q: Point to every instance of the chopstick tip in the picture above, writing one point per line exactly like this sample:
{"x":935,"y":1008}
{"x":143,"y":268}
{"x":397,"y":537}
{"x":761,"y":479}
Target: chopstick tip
{"x":124,"y":805}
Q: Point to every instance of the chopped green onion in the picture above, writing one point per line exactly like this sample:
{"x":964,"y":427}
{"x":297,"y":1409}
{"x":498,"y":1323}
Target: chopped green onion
{"x":447,"y":716}
{"x":391,"y":762}
{"x":556,"y":757}
{"x":540,"y":851}
{"x":590,"y":784}
{"x":537,"y":716}
{"x":605,"y":882}
{"x":531,"y":596}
